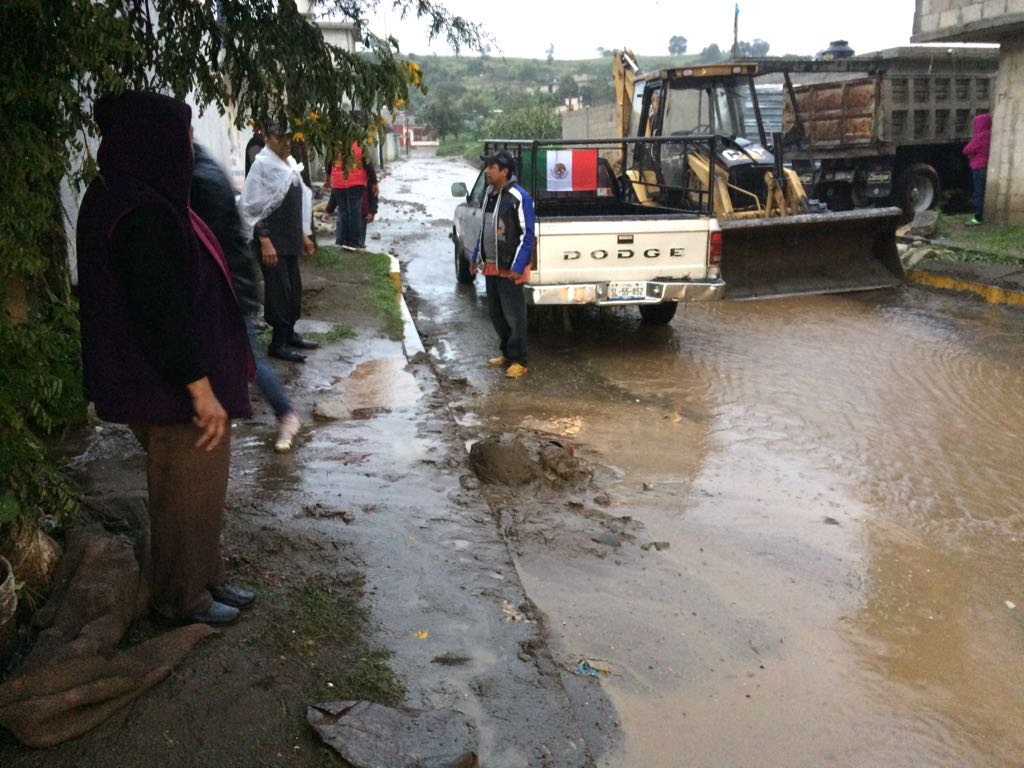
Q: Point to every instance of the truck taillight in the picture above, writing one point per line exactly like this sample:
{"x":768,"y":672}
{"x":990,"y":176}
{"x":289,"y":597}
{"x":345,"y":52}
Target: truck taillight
{"x":715,"y":249}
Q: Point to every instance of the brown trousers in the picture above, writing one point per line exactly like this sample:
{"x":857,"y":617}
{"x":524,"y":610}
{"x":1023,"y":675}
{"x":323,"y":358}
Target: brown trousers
{"x":187,"y":488}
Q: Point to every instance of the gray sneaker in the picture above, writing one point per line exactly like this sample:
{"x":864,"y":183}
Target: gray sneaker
{"x":289,"y":427}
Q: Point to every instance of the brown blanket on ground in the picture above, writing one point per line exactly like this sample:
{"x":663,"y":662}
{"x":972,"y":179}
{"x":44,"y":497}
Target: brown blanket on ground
{"x":74,"y":678}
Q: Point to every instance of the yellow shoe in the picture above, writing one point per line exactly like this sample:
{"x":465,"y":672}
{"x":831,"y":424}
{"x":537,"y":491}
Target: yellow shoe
{"x":500,"y":360}
{"x":515,"y":371}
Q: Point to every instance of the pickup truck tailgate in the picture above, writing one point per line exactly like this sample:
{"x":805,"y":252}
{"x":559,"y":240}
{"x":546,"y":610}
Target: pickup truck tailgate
{"x":582,"y":250}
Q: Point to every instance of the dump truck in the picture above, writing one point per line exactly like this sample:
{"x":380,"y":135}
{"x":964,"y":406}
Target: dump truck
{"x":776,"y":241}
{"x":886,"y":128}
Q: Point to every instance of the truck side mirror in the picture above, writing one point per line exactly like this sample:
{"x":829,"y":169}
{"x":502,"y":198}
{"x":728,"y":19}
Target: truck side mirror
{"x":459,"y":189}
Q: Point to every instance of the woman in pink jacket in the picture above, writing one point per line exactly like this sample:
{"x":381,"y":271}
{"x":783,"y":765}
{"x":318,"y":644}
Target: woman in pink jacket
{"x":976,"y":151}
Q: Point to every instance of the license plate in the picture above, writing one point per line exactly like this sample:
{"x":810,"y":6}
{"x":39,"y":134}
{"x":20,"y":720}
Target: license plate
{"x":626,"y":291}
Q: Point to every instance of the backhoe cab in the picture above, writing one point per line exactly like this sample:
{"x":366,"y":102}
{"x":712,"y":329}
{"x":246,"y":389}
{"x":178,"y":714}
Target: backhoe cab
{"x":712,"y":101}
{"x":775,"y":241}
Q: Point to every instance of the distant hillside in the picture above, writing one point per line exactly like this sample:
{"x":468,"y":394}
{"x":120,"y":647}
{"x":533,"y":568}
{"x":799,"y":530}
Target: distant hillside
{"x":457,"y":74}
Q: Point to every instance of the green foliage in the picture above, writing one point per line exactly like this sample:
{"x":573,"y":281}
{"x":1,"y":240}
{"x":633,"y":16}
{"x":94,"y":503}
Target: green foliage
{"x":567,"y":88}
{"x":40,"y":396}
{"x":753,"y":49}
{"x":247,"y":58}
{"x":677,"y":45}
{"x":525,"y":123}
{"x":711,"y":54}
{"x":443,"y":116}
{"x":465,"y":147}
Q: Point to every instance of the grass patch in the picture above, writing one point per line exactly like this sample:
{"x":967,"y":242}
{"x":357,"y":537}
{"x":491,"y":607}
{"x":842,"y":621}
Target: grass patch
{"x":322,"y":616}
{"x":325,"y":620}
{"x":336,"y":334}
{"x":325,"y":630}
{"x":989,"y":243}
{"x":373,"y":272}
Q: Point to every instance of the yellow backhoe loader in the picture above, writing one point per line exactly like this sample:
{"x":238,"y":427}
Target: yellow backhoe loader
{"x":775,"y":242}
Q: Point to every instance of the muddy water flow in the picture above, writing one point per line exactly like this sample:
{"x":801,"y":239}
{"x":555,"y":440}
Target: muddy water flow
{"x":837,"y":480}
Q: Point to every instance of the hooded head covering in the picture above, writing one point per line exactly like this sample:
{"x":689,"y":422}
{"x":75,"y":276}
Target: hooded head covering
{"x":977,"y":148}
{"x":146,"y":136}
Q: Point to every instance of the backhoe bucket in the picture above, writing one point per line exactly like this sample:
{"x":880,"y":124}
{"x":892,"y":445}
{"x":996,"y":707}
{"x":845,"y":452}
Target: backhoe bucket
{"x":811,"y":253}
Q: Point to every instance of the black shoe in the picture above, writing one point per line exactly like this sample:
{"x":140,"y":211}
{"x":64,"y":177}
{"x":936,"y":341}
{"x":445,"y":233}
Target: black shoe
{"x":229,"y":594}
{"x":300,"y":343}
{"x":217,"y":613}
{"x":283,"y":353}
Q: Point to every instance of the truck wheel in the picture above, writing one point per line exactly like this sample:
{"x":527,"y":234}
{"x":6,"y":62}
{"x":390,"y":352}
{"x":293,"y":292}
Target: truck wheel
{"x":462,"y":273}
{"x":838,"y":197}
{"x":918,"y":189}
{"x":860,"y":198}
{"x":658,"y":314}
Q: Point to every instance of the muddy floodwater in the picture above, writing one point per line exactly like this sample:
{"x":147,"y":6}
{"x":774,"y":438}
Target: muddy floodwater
{"x":836,"y":487}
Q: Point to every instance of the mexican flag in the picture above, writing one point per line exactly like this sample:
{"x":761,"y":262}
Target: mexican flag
{"x":564,"y":170}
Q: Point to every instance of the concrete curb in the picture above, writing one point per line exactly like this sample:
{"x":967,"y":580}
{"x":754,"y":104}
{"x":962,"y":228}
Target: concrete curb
{"x":411,"y":342}
{"x":990,"y":293}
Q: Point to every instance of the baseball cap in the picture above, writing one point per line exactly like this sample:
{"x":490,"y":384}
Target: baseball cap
{"x":502,"y":159}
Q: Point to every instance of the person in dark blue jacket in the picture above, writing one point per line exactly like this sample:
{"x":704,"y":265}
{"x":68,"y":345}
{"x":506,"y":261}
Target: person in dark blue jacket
{"x":505,"y":248}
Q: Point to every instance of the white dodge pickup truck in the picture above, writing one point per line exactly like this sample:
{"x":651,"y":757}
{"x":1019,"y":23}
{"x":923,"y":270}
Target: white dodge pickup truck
{"x":592,"y":244}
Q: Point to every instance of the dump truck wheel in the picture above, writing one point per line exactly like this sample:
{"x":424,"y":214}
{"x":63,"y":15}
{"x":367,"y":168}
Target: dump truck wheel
{"x":918,"y":189}
{"x":462,"y":273}
{"x":839,"y":197}
{"x":658,"y":314}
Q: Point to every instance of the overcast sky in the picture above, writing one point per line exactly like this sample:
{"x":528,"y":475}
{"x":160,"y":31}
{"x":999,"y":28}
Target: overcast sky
{"x":525,"y":28}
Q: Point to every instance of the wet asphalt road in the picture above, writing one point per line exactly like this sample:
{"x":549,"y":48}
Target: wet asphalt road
{"x":838,"y":480}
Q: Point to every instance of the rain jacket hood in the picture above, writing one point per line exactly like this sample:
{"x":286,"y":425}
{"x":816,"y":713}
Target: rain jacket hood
{"x":146,"y":137}
{"x":977,"y":148}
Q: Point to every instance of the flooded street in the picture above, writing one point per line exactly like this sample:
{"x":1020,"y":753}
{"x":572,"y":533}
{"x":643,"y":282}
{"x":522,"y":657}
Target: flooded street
{"x":835,"y":487}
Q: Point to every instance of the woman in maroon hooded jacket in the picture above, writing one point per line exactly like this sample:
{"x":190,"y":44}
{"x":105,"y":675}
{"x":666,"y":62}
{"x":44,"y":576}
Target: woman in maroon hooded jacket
{"x":977,"y":157}
{"x":164,"y":345}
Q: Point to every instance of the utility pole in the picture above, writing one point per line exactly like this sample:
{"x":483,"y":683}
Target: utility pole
{"x":736,"y":31}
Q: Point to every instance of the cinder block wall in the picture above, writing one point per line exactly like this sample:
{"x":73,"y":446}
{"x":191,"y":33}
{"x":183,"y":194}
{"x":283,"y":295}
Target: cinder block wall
{"x":1004,"y":194}
{"x":590,"y":123}
{"x":990,"y":21}
{"x":950,"y":16}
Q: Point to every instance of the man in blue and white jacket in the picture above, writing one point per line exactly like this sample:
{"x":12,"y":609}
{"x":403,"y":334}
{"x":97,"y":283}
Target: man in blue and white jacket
{"x":505,"y":248}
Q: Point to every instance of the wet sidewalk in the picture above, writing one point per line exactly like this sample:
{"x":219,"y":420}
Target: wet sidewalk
{"x":384,"y":469}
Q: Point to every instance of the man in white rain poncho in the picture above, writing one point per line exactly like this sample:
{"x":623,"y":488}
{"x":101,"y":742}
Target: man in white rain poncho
{"x":276,"y":206}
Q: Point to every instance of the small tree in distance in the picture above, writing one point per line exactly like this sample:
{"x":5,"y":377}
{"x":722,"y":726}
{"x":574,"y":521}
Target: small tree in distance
{"x":711,"y":54}
{"x":677,"y":45}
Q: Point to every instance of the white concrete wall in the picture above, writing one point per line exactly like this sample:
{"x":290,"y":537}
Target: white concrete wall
{"x":1004,"y":194}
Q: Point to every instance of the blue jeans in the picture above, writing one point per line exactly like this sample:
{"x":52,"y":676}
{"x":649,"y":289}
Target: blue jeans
{"x":266,"y":379}
{"x":978,"y":182}
{"x":350,"y":226}
{"x":507,"y":304}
